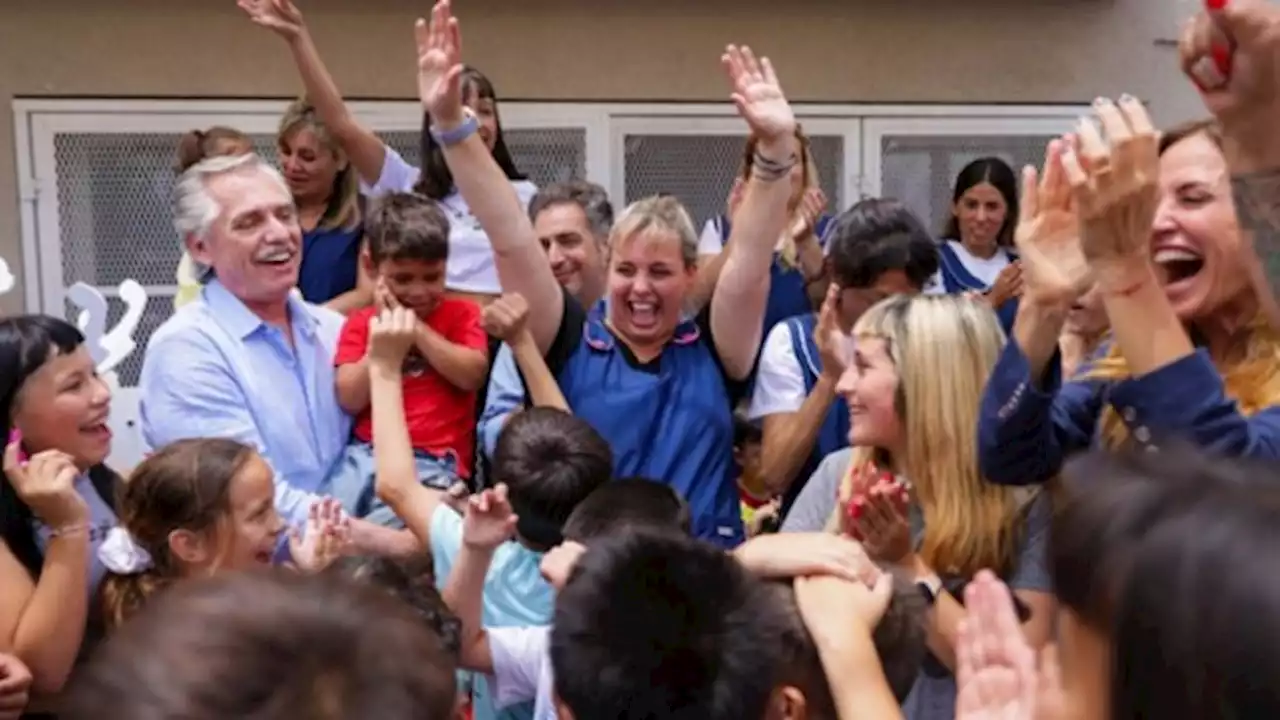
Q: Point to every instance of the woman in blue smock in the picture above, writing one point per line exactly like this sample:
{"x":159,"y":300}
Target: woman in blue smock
{"x":659,"y":387}
{"x":976,"y":251}
{"x":1191,"y":357}
{"x":797,"y":277}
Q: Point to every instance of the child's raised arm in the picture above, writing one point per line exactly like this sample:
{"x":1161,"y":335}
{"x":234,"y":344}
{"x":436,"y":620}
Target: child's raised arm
{"x":505,"y":318}
{"x":488,"y":523}
{"x":391,"y":334}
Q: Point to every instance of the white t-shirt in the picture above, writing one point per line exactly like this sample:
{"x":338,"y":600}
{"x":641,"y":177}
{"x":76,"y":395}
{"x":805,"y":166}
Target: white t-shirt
{"x":470,"y":268}
{"x":711,"y":241}
{"x":984,"y":269}
{"x":780,"y":378}
{"x":522,"y":669}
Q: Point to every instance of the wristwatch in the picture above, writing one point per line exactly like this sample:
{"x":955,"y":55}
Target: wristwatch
{"x":448,"y":138}
{"x":930,"y":586}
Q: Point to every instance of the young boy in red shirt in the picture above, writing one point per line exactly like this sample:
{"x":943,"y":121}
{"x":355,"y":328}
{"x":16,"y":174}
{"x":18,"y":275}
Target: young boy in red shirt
{"x":407,"y":238}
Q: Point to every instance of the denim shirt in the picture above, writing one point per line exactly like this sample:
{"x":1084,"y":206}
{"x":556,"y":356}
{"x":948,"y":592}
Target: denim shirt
{"x":215,"y":369}
{"x":506,"y":395}
{"x":1025,"y":432}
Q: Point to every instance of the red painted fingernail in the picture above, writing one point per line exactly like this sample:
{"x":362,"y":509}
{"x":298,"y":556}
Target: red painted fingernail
{"x":1222,"y":58}
{"x":1215,"y":4}
{"x":15,"y":435}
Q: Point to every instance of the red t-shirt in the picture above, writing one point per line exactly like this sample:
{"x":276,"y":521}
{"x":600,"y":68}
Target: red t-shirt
{"x":441,"y":418}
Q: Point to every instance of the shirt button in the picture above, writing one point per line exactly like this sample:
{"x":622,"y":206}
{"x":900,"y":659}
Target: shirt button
{"x":1142,"y":434}
{"x":1129,"y":414}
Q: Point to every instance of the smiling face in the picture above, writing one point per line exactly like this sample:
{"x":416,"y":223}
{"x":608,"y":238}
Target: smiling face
{"x":255,"y":244}
{"x":1195,"y":239}
{"x":243,"y":534}
{"x":648,"y":282}
{"x":980,"y":214}
{"x":64,"y":405}
{"x":310,"y":167}
{"x":575,"y":254}
{"x":869,"y":386}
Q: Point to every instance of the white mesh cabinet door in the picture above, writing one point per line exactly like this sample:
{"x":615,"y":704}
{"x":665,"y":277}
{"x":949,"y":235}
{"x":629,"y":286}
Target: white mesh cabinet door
{"x":917,"y":161}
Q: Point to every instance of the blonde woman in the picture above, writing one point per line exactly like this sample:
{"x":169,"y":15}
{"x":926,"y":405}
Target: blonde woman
{"x":913,"y":385}
{"x":796,"y":278}
{"x":659,"y":386}
{"x":326,"y":191}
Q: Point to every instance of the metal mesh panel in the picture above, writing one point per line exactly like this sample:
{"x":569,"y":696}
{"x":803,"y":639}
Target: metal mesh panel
{"x":159,"y":308}
{"x":114,"y":206}
{"x":699,"y":169}
{"x":921,"y":170}
{"x":545,"y":155}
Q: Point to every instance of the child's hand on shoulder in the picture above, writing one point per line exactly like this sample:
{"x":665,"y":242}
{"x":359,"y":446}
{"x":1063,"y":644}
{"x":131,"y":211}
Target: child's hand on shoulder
{"x":489,"y":520}
{"x":504,"y":318}
{"x":391,"y":334}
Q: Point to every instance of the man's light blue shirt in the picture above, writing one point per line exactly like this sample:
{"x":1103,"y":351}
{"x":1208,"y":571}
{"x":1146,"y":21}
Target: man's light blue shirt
{"x":506,"y":395}
{"x":215,"y":369}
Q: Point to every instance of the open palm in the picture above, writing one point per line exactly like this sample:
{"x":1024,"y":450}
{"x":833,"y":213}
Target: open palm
{"x":280,"y":16}
{"x":440,"y":63}
{"x":996,"y":674}
{"x":757,"y":94}
{"x":1054,"y":269}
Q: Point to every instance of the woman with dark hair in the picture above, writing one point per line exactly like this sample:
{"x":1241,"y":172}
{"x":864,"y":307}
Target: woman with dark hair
{"x":976,"y":251}
{"x":471,"y":272}
{"x":56,"y":497}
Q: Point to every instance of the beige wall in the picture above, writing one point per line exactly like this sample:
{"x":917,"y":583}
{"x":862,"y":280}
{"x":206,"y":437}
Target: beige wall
{"x":974,"y":51}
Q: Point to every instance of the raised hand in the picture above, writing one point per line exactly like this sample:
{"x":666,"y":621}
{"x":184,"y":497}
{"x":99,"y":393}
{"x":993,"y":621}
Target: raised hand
{"x":788,"y":555}
{"x":1233,"y":56}
{"x":46,"y":482}
{"x":828,"y":336}
{"x":1054,"y":271}
{"x":279,"y":16}
{"x":996,"y":672}
{"x":440,"y":65}
{"x":324,"y":539}
{"x":505,"y":317}
{"x":758,"y":95}
{"x":812,"y":205}
{"x":489,"y":520}
{"x":391,"y":333}
{"x":1114,"y":183}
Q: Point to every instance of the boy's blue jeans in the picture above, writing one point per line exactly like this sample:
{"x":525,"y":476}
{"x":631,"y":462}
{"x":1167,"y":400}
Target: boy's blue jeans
{"x":352,"y":482}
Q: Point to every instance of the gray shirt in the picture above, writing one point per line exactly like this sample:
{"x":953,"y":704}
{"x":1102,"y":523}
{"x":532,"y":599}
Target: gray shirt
{"x":933,"y":697}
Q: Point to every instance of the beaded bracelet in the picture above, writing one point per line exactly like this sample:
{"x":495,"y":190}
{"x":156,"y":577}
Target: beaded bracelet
{"x":769,"y":170}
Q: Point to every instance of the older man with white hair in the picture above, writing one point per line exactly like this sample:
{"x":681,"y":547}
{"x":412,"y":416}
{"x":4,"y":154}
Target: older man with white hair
{"x":249,"y":359}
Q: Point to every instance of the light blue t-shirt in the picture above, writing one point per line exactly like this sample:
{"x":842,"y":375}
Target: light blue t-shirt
{"x":101,"y":520}
{"x":515,"y":595}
